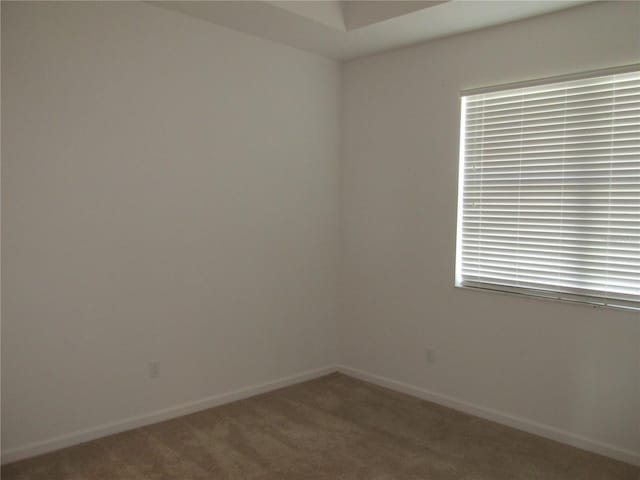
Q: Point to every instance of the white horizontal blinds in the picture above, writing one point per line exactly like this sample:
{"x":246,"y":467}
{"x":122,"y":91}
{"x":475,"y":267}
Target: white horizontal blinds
{"x":551,"y":190}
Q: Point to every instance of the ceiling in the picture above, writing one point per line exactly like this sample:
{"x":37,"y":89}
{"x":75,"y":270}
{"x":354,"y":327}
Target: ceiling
{"x":348,"y":29}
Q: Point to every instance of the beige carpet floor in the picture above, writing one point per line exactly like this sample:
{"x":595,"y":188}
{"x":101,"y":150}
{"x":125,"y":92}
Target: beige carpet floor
{"x":334,"y":427}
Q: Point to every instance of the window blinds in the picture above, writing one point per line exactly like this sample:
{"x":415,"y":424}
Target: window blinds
{"x":550,"y":190}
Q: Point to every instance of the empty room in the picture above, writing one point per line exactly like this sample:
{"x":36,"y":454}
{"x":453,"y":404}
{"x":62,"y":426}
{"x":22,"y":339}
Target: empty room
{"x":355,"y":240}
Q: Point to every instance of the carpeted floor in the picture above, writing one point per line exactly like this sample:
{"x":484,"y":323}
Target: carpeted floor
{"x":334,"y":427}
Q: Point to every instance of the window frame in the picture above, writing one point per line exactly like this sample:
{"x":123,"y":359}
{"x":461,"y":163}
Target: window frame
{"x":591,"y":301}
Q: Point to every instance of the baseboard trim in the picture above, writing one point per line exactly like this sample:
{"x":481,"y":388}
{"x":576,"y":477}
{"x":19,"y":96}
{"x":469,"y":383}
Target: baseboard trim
{"x":547,"y":431}
{"x":513,"y":421}
{"x":81,"y":436}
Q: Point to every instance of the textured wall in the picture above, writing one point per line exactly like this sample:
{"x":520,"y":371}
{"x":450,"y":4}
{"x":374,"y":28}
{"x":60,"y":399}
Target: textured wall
{"x":169,"y":194}
{"x":570,"y":367}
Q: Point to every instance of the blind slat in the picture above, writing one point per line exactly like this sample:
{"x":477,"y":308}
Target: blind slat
{"x":551,"y":111}
{"x":560,"y":130}
{"x":621,"y":93}
{"x":558,"y":124}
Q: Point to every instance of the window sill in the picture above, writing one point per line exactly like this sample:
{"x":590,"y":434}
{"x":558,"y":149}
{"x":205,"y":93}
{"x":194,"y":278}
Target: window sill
{"x":531,"y":296}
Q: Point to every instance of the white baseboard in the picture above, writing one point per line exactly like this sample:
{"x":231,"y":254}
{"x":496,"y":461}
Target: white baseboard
{"x":81,"y":436}
{"x":513,"y":421}
{"x":74,"y":438}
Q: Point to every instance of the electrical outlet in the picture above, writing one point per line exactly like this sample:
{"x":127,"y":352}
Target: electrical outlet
{"x":429,"y":355}
{"x":154,"y":369}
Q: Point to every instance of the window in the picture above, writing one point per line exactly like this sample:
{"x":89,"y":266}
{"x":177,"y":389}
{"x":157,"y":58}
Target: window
{"x":549,"y":194}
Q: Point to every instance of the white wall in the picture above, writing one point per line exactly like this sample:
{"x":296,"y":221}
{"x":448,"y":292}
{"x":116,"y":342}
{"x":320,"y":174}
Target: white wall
{"x":169,"y":194}
{"x":573,"y":368}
